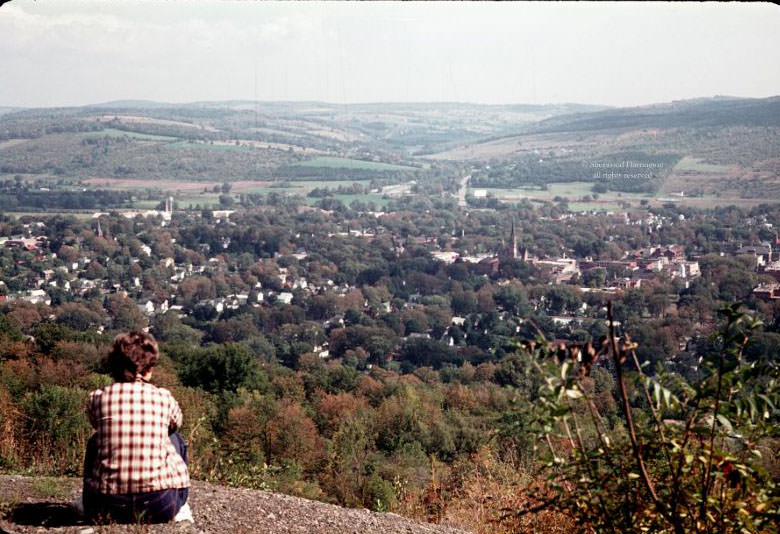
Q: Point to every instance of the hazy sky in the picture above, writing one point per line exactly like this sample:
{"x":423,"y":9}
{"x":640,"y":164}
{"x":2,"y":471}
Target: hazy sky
{"x":63,"y":52}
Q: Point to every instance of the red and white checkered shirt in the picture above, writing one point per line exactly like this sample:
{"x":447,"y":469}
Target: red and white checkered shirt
{"x":134,"y":452}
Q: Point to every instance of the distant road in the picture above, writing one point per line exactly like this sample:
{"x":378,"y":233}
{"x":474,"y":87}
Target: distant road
{"x":464,"y":183}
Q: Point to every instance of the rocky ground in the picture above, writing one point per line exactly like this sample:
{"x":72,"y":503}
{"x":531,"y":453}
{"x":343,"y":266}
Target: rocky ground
{"x":40,"y":505}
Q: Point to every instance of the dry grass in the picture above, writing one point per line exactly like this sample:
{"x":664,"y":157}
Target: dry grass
{"x":483,"y":495}
{"x":10,"y":427}
{"x":171,"y":185}
{"x":12,"y":142}
{"x":133,"y":183}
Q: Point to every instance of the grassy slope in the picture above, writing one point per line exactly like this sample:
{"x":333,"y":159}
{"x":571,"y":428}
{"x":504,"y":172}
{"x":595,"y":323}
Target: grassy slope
{"x":346,"y":163}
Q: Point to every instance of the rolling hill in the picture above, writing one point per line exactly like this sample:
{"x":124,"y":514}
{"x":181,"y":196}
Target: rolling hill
{"x":720,"y":147}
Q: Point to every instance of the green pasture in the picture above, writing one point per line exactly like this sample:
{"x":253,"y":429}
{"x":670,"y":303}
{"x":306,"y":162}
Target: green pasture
{"x":146,"y":204}
{"x":205,"y":200}
{"x":302,"y":186}
{"x":346,"y":163}
{"x":594,"y":206}
{"x":376,"y":198}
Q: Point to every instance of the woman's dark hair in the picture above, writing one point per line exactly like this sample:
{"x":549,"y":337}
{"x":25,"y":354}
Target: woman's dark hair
{"x":133,"y":354}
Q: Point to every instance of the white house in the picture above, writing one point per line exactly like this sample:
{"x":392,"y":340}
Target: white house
{"x":445,"y":256}
{"x":147,"y":308}
{"x":38,"y":296}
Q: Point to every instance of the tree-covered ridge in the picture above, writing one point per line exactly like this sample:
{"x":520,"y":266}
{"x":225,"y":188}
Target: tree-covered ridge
{"x":694,"y":113}
{"x":285,"y":143}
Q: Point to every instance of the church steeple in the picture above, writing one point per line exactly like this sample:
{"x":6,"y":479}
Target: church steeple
{"x":513,"y":239}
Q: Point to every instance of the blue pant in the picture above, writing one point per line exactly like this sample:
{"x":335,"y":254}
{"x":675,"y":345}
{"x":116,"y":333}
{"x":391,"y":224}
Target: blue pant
{"x":149,"y":507}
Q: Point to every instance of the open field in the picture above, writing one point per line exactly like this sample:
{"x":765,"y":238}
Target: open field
{"x":574,"y":191}
{"x":245,"y":186}
{"x":267,"y":145}
{"x":244,"y":145}
{"x":569,"y":190}
{"x":274,"y":131}
{"x":146,"y":204}
{"x":149,"y":120}
{"x":594,"y":206}
{"x":694,"y":183}
{"x":249,"y":186}
{"x":297,"y":149}
{"x":79,"y":214}
{"x":191,"y":194}
{"x":204,"y":200}
{"x":341,"y":136}
{"x":376,"y":198}
{"x":137,"y":183}
{"x":113,"y":132}
{"x":11,"y":142}
{"x":346,"y":163}
{"x":191,"y":145}
{"x":697,"y":165}
{"x":712,"y":201}
{"x":693,"y":176}
{"x":192,"y":187}
{"x":518,"y":145}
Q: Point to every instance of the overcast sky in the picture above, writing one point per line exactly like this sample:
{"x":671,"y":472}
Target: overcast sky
{"x":63,"y":52}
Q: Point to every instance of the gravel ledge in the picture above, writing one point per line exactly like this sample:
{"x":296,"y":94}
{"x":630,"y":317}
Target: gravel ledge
{"x":39,"y":505}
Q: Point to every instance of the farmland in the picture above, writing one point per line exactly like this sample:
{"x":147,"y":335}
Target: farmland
{"x":346,"y":163}
{"x":689,"y":164}
{"x":112,"y":132}
{"x":200,"y":194}
{"x":580,"y":197}
{"x":291,"y":149}
{"x":573,"y":192}
{"x":167,"y":185}
{"x":192,"y":145}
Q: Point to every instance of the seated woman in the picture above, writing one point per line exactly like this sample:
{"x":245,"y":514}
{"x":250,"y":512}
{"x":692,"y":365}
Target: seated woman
{"x":135,"y":469}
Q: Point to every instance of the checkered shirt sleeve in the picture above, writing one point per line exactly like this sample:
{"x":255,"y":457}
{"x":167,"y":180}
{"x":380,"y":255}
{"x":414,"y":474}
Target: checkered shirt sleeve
{"x":132,"y":421}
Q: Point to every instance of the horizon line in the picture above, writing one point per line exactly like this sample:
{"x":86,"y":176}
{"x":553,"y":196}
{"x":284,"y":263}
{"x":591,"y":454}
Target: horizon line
{"x":376,"y":103}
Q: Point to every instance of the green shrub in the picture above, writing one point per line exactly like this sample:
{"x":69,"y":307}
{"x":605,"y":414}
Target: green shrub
{"x":688,"y":457}
{"x":57,"y":424}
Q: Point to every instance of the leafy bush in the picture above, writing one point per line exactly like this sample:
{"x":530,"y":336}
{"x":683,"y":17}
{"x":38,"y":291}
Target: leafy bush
{"x":58,"y":424}
{"x":691,"y":461}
